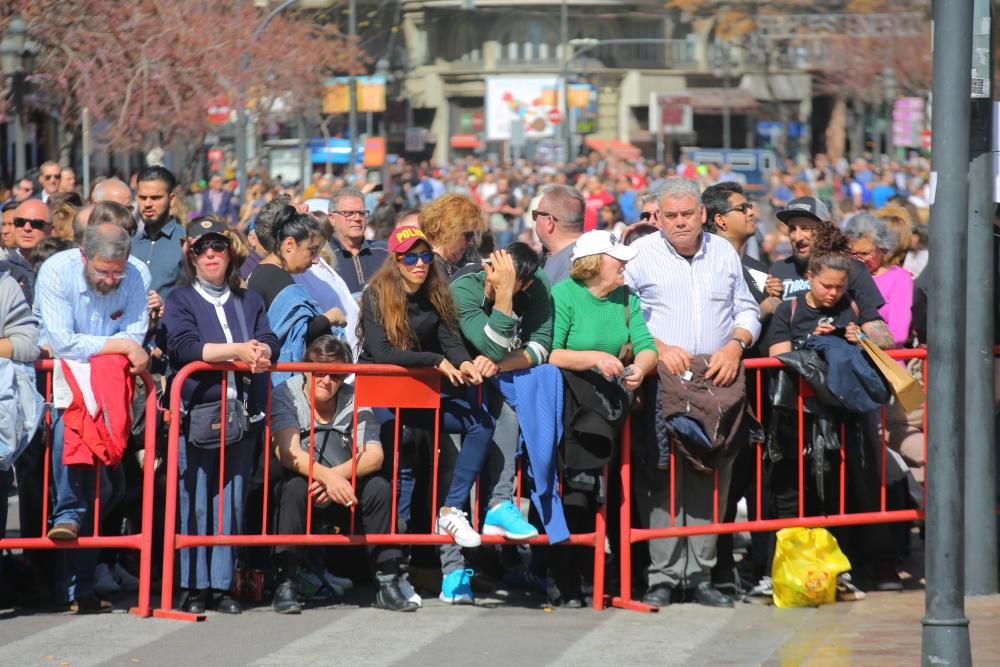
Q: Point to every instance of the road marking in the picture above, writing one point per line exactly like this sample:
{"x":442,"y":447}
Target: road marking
{"x":87,"y":640}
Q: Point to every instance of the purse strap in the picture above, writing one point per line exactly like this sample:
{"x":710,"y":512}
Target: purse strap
{"x":628,"y":324}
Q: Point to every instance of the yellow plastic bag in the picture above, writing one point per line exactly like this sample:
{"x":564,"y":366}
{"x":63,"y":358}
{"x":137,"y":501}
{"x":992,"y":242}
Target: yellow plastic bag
{"x":805,"y":568}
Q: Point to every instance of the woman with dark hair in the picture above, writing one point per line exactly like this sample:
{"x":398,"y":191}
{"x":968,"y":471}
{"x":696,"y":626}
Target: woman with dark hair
{"x":612,"y":218}
{"x":210,"y":317}
{"x":293,"y":313}
{"x":408,"y":319}
{"x":826,"y":310}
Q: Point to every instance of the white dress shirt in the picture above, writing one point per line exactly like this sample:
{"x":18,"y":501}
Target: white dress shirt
{"x":696,"y":304}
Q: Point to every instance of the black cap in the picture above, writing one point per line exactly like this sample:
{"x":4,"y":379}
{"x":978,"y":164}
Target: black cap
{"x":204,"y":226}
{"x":808,"y":207}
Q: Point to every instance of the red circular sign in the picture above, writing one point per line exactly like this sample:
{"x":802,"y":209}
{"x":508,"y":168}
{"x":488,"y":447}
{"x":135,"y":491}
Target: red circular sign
{"x":218,"y":111}
{"x":215,"y":155}
{"x":554,"y":116}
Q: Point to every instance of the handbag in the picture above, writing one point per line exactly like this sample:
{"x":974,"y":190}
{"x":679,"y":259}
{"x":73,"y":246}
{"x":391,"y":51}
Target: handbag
{"x":626,"y":354}
{"x":904,"y":386}
{"x":204,"y":421}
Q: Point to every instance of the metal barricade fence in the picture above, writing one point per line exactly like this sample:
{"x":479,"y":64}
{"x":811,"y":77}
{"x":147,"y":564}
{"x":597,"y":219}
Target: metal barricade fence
{"x":141,"y":541}
{"x":375,"y":386}
{"x":756,"y":394}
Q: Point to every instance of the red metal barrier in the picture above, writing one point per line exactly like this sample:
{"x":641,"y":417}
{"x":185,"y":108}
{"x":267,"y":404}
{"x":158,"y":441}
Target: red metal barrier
{"x":376,"y":386}
{"x":630,"y":535}
{"x":142,"y":541}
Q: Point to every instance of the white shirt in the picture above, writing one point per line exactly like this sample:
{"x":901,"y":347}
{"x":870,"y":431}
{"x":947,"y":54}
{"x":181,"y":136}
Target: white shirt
{"x":694,"y":305}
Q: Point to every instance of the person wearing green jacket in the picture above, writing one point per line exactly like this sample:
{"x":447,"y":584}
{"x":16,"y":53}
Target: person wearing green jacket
{"x":505,"y":314}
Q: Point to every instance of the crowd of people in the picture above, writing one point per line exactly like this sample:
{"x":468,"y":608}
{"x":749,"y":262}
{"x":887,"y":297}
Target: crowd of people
{"x":553,"y":302}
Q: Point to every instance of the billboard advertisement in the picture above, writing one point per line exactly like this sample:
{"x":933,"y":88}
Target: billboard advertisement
{"x":533,"y":100}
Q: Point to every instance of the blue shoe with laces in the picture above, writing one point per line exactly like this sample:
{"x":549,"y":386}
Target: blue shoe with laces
{"x":456,"y":588}
{"x":505,"y":519}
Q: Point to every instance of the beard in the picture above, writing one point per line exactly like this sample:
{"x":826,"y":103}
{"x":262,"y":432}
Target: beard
{"x":158,"y":221}
{"x":801,"y":262}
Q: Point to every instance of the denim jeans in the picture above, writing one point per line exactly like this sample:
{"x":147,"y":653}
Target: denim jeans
{"x":73,"y":503}
{"x":211,"y":567}
{"x":460,"y":414}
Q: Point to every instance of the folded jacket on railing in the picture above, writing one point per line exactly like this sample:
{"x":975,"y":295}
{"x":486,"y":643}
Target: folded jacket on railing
{"x":97,"y":420}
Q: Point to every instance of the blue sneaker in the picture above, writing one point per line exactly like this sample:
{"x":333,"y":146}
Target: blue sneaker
{"x":505,"y":519}
{"x":456,"y":589}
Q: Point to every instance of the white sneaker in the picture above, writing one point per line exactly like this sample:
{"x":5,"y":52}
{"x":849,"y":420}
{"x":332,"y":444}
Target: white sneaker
{"x":125,"y":579}
{"x":408,"y":591}
{"x":456,"y":524}
{"x":338,"y":584}
{"x":104,"y":582}
{"x":846,"y":590}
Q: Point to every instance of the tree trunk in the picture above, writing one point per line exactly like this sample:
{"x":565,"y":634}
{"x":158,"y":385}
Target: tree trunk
{"x":836,"y":136}
{"x":67,"y":137}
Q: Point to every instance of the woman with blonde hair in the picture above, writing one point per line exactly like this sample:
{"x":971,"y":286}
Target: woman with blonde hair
{"x":62,"y":209}
{"x":452,"y":224}
{"x":900,"y":225}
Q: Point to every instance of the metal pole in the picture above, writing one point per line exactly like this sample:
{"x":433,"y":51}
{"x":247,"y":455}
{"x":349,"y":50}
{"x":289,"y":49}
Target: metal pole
{"x":980,"y":452}
{"x":727,"y":130}
{"x":352,"y":116}
{"x":945,"y":634}
{"x":241,"y":113}
{"x":305,"y":168}
{"x":85,"y":123}
{"x":564,"y":40}
{"x":20,"y":162}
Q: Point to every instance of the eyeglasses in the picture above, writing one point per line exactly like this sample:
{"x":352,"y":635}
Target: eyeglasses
{"x":648,"y":215}
{"x":50,"y":177}
{"x":333,"y":377}
{"x":864,"y":254}
{"x":353,"y":214}
{"x":36,"y":223}
{"x":743,"y":208}
{"x":411,"y":258}
{"x":538,"y":214}
{"x":104,"y":275}
{"x":201,"y":247}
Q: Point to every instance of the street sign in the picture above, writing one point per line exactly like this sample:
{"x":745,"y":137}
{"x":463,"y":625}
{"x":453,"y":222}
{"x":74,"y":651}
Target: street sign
{"x":670,"y":114}
{"x":219,"y":111}
{"x":413,"y":140}
{"x":907,"y":121}
{"x":215,"y":155}
{"x":554,"y":116}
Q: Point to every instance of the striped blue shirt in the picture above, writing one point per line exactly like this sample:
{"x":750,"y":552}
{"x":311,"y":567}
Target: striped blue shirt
{"x":76,"y":321}
{"x":693,"y":305}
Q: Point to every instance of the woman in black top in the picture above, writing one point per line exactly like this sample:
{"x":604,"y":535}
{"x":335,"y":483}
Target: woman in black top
{"x":294,"y":315}
{"x":408,"y":319}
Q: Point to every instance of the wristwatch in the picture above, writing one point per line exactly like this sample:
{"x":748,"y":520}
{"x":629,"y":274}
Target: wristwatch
{"x":739,"y":341}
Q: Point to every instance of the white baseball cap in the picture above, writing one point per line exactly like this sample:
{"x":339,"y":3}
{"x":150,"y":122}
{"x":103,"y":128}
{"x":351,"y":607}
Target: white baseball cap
{"x":600,"y":242}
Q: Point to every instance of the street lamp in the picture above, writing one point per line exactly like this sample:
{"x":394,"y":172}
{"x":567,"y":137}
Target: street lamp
{"x":889,"y":86}
{"x":17,"y":59}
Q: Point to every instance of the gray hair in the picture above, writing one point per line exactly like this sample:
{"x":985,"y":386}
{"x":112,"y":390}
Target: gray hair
{"x":866,"y":224}
{"x":679,"y":188}
{"x":651,"y":197}
{"x":107,"y":241}
{"x":571,"y":202}
{"x":344,"y":193}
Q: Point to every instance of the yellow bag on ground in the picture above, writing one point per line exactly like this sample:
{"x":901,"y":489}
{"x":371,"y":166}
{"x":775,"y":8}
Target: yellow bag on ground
{"x":805,"y":568}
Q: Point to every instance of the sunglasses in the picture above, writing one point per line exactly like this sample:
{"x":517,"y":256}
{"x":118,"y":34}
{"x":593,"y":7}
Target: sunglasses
{"x":648,"y":215}
{"x":36,"y":223}
{"x":744,"y":208}
{"x":470,"y":237}
{"x":333,"y":377}
{"x":538,"y":214}
{"x":201,"y":247}
{"x":411,"y":258}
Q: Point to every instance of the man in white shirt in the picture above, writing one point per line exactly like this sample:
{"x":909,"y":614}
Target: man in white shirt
{"x":695,"y":302}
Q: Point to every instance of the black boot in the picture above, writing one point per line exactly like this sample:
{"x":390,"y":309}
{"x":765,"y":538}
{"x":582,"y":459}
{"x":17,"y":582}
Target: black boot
{"x":286,"y":595}
{"x":389,"y":597}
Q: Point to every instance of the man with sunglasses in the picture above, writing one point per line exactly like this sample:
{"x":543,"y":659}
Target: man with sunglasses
{"x":357,"y":258}
{"x":650,"y":209}
{"x":31,"y":225}
{"x":49,"y":174}
{"x":730,"y":215}
{"x":558,"y":224}
{"x":23,"y":188}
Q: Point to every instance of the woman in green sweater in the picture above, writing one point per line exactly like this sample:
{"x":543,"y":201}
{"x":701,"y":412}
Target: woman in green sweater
{"x":591,"y":324}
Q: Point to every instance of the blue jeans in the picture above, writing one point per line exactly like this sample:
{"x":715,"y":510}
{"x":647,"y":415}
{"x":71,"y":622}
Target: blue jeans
{"x":211,"y":567}
{"x":459,"y":415}
{"x":74,"y":494}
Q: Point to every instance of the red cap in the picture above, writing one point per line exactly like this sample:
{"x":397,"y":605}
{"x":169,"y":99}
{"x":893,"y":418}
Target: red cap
{"x":405,"y":237}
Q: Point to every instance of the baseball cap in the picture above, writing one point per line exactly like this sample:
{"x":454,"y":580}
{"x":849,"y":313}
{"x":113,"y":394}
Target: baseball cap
{"x":809,"y":207}
{"x":200,"y":228}
{"x":600,"y":242}
{"x":405,"y":237}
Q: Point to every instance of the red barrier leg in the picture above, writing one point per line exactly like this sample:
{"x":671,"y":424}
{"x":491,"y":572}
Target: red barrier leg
{"x":148,"y":498}
{"x":624,"y":599}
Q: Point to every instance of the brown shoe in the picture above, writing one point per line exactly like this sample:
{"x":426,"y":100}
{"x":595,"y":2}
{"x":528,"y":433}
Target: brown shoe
{"x":88,"y":603}
{"x":64,"y":531}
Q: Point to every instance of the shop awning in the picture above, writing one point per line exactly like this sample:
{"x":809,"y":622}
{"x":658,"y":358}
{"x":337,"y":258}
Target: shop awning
{"x":715,"y":100}
{"x":613,"y":148}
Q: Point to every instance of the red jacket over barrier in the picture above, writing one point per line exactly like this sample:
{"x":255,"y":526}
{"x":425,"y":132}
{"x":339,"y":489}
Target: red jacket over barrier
{"x":100,"y":437}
